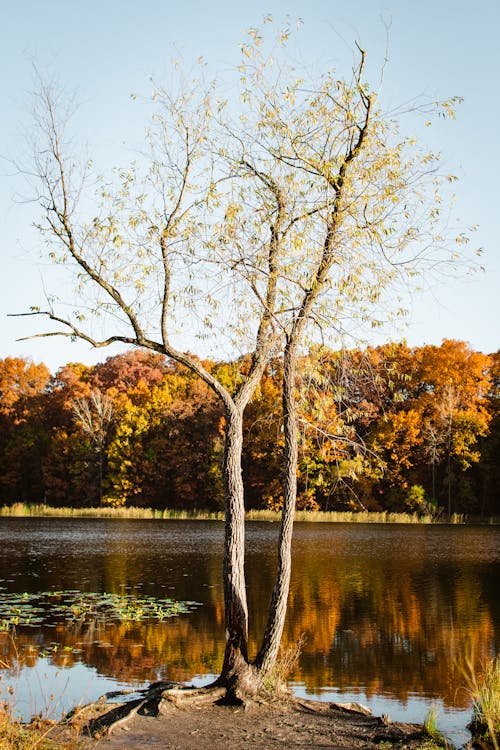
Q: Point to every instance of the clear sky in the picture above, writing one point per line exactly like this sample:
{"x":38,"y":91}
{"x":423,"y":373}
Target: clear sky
{"x":107,"y":49}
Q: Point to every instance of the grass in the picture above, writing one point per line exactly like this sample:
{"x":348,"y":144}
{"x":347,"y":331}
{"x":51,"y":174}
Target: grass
{"x":348,"y":517}
{"x":17,"y":736}
{"x":275,"y":681}
{"x":25,"y":510}
{"x":484,"y":689}
{"x":19,"y":510}
{"x":434,"y":737}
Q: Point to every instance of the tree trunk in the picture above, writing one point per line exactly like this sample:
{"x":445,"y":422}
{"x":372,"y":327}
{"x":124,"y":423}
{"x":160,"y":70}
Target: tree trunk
{"x":235,"y":600}
{"x":268,"y":653}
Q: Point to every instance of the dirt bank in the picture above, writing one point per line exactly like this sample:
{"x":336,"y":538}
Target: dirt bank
{"x":284,"y":723}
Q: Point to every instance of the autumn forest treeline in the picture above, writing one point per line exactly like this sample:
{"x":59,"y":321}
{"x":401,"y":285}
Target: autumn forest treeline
{"x":386,"y":428}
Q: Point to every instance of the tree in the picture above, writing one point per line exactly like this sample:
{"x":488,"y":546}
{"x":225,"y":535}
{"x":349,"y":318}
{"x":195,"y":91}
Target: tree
{"x":19,"y":381}
{"x":454,"y":384}
{"x":248,"y":227}
{"x":489,"y":470}
{"x":94,"y":415}
{"x":23,"y":438}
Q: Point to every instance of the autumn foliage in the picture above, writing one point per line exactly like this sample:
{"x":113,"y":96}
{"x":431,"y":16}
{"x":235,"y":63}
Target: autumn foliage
{"x":386,"y":428}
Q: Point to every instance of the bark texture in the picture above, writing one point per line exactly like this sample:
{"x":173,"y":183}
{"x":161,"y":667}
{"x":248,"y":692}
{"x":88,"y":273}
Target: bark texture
{"x":279,"y":600}
{"x":235,"y":598}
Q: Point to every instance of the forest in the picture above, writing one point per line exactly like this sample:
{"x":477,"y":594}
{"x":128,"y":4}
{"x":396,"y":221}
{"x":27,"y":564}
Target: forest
{"x":384,"y":428}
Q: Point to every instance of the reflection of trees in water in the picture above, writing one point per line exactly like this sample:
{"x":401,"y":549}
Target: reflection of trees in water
{"x":386,"y":622}
{"x":129,"y":652}
{"x":360,"y":634}
{"x":391,"y":628}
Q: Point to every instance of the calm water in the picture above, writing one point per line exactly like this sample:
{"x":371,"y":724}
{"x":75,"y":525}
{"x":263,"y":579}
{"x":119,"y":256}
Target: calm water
{"x":388,"y":611}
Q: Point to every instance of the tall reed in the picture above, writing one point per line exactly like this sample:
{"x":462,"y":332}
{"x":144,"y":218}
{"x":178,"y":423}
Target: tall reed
{"x":17,"y":736}
{"x":482,"y":685}
{"x":22,"y":509}
{"x":484,"y":688}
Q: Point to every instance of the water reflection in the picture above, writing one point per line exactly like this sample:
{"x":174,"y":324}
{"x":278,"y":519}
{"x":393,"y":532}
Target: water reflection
{"x":387,"y":611}
{"x":391,"y":611}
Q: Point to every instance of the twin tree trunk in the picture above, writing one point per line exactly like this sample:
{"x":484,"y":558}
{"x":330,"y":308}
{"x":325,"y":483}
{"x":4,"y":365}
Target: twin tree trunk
{"x":238,"y":675}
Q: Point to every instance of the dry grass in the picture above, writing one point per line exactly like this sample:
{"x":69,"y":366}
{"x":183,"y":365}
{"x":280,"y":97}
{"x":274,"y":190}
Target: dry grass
{"x":275,"y":680}
{"x":16,"y":735}
{"x":19,"y":510}
{"x":345,"y":517}
{"x":484,"y":689}
{"x":23,"y":510}
{"x":34,"y":736}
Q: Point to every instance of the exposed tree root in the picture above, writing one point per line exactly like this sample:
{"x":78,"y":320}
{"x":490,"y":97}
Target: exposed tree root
{"x":120,"y":723}
{"x":93,"y":718}
{"x":180,"y":697}
{"x":158,"y":698}
{"x":117,"y":717}
{"x":352,"y":708}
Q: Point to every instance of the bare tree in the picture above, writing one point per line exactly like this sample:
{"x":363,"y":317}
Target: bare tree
{"x":94,"y":415}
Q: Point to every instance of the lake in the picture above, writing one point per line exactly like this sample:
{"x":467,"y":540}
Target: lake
{"x":389,"y":612}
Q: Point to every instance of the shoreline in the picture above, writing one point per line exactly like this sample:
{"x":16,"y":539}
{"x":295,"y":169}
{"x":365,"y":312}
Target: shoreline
{"x":21,"y":510}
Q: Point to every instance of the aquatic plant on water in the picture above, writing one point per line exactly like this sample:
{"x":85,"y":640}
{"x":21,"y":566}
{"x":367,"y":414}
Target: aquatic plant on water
{"x":74,"y":606}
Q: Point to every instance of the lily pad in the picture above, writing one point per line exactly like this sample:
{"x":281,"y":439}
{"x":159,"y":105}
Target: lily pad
{"x":73,"y":606}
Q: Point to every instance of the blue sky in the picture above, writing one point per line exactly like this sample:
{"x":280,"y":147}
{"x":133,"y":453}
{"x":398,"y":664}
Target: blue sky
{"x":105,"y":50}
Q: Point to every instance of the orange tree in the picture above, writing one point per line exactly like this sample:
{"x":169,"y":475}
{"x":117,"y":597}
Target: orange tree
{"x":23,"y":437}
{"x":429,"y":410}
{"x":454,"y":385}
{"x":487,"y":474}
